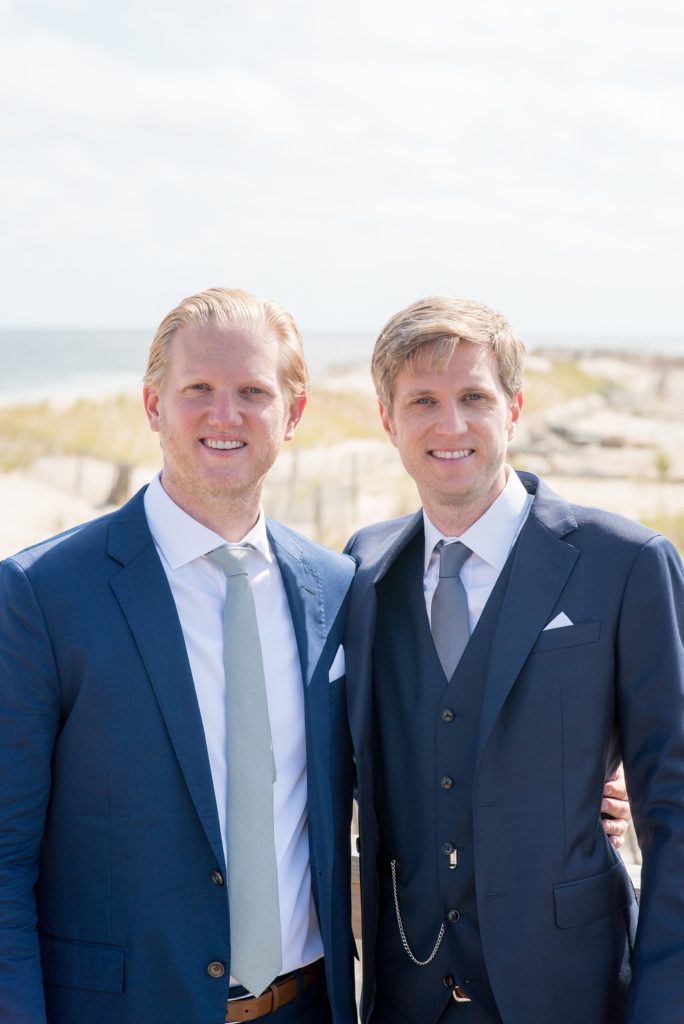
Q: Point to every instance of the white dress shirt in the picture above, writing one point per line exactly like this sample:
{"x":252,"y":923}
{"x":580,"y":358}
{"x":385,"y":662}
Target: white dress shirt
{"x":490,"y":539}
{"x":199,"y":591}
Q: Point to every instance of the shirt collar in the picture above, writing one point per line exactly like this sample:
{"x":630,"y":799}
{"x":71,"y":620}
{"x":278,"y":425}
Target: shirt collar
{"x":181,"y":539}
{"x":491,"y":536}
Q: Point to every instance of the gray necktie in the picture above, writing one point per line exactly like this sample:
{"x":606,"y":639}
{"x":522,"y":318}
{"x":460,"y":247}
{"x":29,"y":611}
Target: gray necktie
{"x":450,"y":627}
{"x":255,"y":942}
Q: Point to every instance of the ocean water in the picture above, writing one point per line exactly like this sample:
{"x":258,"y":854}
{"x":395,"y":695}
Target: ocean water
{"x":69,"y":364}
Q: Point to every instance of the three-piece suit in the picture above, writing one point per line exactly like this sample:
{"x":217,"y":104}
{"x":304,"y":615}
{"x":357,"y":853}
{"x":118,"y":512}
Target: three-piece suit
{"x":482,"y":852}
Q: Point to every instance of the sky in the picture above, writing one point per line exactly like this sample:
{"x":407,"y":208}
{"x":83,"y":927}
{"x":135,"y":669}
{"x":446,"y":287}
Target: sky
{"x":344,"y":159}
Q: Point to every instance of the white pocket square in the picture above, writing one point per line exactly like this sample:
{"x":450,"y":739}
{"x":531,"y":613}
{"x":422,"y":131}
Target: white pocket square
{"x":560,"y":620}
{"x":337,"y":667}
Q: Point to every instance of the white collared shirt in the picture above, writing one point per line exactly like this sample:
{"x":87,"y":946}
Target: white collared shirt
{"x":490,"y":539}
{"x":199,"y":591}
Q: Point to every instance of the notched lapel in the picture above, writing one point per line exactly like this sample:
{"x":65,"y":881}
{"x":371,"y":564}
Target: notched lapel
{"x":143,"y":593}
{"x":542,"y":566}
{"x":305,"y":597}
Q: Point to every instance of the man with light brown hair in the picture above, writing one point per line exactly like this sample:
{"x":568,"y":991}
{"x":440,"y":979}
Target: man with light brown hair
{"x":506,"y":649}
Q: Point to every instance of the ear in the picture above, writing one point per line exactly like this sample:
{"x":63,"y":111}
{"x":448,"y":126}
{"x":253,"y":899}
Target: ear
{"x":515,"y":411}
{"x":297,"y":406}
{"x":151,"y":403}
{"x":387,"y":424}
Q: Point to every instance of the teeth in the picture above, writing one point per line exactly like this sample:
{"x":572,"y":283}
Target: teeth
{"x":222,"y":445}
{"x":461,"y":454}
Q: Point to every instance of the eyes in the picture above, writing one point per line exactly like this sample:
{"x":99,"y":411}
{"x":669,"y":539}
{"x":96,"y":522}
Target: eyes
{"x":472,"y":396}
{"x":249,"y":390}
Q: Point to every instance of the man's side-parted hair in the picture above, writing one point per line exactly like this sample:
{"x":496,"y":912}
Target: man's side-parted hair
{"x":440,"y":323}
{"x":228,"y":306}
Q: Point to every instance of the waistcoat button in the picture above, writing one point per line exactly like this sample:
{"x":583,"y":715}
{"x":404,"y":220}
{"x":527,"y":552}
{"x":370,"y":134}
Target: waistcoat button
{"x":447,"y":715}
{"x":453,"y":916}
{"x":447,"y":848}
{"x":447,"y":782}
{"x":217,"y":877}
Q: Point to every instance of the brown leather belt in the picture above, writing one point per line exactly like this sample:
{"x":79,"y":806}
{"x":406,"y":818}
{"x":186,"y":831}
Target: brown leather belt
{"x":281,"y":992}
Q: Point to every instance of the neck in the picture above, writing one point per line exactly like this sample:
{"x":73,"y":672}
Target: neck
{"x":453,"y":518}
{"x":231,"y":517}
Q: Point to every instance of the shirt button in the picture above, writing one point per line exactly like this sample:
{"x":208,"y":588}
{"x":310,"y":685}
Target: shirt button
{"x":447,"y":848}
{"x":447,"y":715}
{"x":217,"y":878}
{"x":216,"y":969}
{"x":447,"y":782}
{"x":453,"y":916}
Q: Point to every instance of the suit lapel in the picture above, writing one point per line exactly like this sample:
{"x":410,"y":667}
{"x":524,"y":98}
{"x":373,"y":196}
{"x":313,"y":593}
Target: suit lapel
{"x":142,"y":590}
{"x":305,"y":597}
{"x":361,"y":625}
{"x":543,"y":562}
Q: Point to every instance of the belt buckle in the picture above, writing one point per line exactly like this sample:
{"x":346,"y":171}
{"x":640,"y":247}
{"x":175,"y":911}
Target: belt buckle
{"x":459,"y":995}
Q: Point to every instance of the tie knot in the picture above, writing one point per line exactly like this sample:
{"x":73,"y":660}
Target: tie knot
{"x":233,"y":560}
{"x":452,"y":558}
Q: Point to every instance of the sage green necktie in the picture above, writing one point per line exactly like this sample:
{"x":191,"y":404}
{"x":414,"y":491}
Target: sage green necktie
{"x":449,"y":613}
{"x":255,"y":942}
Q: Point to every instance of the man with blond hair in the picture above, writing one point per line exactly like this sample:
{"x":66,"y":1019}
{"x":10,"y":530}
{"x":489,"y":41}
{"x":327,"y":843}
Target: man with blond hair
{"x":176,"y":797}
{"x":506,"y":649}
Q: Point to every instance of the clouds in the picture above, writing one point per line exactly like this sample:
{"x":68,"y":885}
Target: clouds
{"x":525,"y":153}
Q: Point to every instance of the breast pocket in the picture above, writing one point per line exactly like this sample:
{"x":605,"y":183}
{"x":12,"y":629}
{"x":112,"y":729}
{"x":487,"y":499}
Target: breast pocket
{"x":568,"y":636}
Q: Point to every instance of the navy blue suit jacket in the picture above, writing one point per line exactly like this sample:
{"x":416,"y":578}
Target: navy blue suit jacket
{"x":109,"y":834}
{"x":561,"y":707}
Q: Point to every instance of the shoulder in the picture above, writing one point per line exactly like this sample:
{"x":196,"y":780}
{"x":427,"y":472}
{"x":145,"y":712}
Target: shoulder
{"x":323,"y":560}
{"x":72,"y":549}
{"x":609,"y":535}
{"x":370,"y":542}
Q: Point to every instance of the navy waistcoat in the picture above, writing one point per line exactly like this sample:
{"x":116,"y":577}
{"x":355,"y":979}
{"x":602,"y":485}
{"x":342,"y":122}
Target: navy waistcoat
{"x":427,"y":730}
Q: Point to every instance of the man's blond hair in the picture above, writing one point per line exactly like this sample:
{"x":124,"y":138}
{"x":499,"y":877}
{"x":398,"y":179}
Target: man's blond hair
{"x":226,"y":307}
{"x":439,"y":324}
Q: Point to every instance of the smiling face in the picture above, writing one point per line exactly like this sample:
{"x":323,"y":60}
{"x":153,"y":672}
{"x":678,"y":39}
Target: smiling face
{"x":222,"y":412}
{"x":451,"y":426}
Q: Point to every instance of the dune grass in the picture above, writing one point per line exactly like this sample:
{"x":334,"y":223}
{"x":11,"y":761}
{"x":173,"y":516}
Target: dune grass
{"x":115,"y":429}
{"x":564,"y":381}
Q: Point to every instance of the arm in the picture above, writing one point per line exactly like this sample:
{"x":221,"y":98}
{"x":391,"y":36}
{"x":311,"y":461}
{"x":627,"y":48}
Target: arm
{"x":650,"y":713}
{"x":29,"y":720}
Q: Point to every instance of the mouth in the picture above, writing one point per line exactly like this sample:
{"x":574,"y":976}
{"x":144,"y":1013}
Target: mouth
{"x":451,"y":455}
{"x":221,"y":446}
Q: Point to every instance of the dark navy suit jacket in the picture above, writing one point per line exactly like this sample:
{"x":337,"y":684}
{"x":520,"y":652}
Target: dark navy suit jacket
{"x":110,"y":911}
{"x":561,"y":707}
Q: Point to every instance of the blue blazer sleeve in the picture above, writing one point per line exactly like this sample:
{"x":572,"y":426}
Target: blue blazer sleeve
{"x":29,"y":721}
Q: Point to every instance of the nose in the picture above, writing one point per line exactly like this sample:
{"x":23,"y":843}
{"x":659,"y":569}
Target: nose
{"x":225,"y":410}
{"x":452,"y":419}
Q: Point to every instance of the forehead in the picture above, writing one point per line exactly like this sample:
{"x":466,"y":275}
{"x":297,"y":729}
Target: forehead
{"x":224,"y":348}
{"x":467,"y":364}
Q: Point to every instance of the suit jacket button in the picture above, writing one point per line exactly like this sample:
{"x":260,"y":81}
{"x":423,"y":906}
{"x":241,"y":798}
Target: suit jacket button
{"x":216,"y":969}
{"x":217,"y":877}
{"x":449,"y":980}
{"x":447,"y":715}
{"x":448,"y":848}
{"x":447,"y":782}
{"x":453,"y":916}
